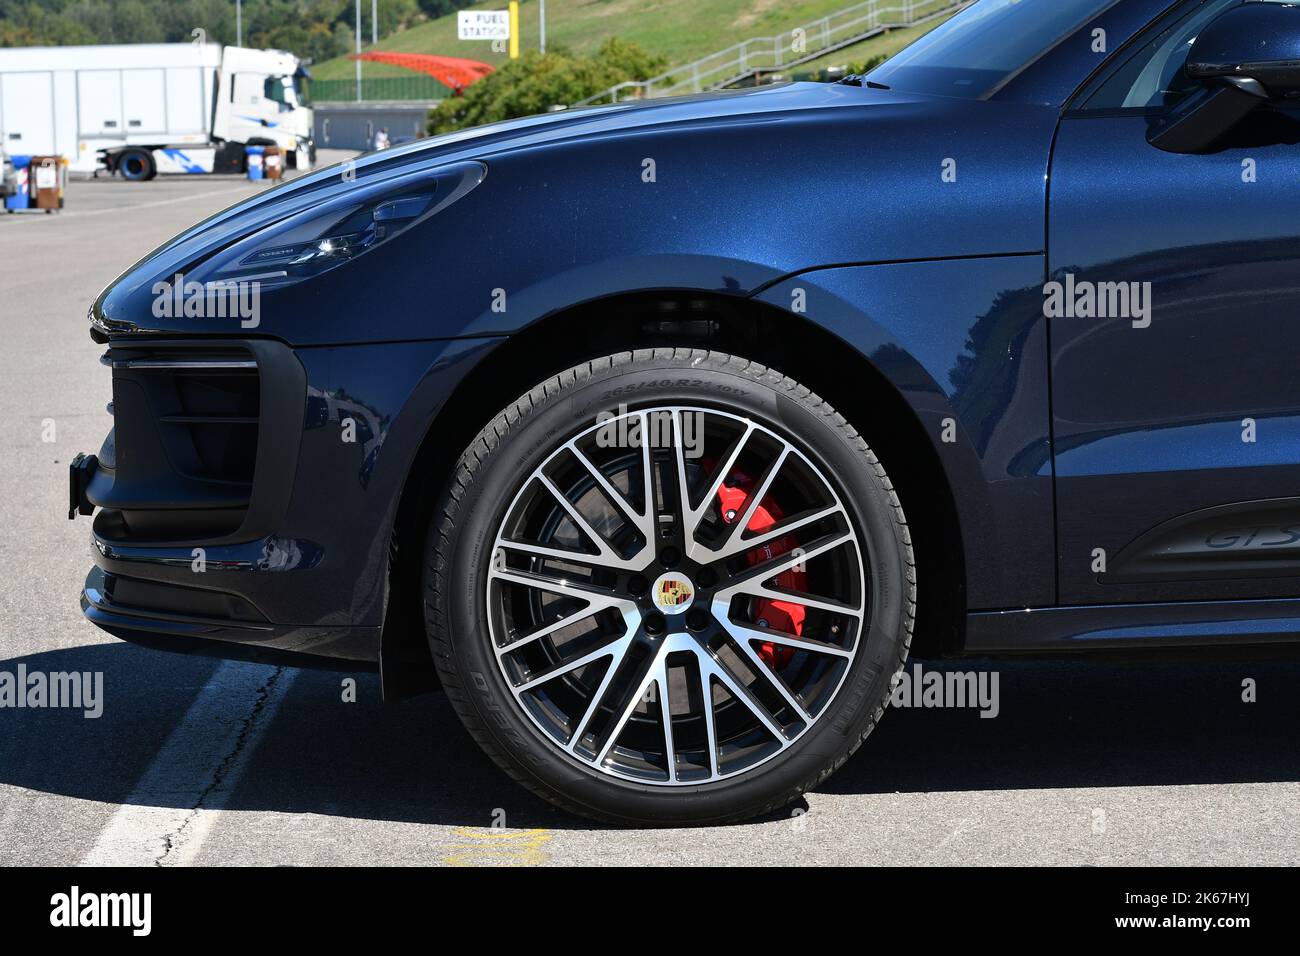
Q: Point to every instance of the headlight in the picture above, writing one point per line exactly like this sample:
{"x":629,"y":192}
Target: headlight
{"x":355,"y":220}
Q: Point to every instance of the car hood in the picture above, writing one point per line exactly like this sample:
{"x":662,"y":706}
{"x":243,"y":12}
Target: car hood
{"x":887,"y":127}
{"x":482,"y":142}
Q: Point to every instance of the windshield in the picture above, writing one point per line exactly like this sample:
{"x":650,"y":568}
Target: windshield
{"x":986,"y":44}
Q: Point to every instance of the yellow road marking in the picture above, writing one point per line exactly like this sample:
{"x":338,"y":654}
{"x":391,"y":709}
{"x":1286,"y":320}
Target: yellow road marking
{"x":499,"y":847}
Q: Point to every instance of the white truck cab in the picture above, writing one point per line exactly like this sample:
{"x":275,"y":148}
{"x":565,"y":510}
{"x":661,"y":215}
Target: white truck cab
{"x":260,"y":99}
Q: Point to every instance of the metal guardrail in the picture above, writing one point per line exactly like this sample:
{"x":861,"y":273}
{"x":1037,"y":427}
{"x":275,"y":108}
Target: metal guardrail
{"x":771,"y":54}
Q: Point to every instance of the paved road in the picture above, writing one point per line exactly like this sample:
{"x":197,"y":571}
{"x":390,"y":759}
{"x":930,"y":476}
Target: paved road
{"x":196,"y":761}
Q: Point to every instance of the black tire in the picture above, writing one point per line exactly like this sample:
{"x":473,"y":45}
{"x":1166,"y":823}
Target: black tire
{"x":490,"y":472}
{"x":136,"y":165}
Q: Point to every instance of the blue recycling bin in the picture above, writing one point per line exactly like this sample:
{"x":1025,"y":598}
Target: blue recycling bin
{"x":21,"y":199}
{"x":256,"y":168}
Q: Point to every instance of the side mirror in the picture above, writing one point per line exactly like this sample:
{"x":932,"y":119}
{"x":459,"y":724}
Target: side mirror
{"x":1245,"y":56}
{"x":1255,"y":41}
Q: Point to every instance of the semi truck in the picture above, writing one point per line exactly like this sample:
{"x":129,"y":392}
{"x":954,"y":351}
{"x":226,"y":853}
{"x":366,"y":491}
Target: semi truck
{"x":143,"y":109}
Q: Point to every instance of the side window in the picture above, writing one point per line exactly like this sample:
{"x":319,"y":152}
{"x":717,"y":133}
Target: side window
{"x":246,"y":89}
{"x":1154,"y":78}
{"x":273,"y":89}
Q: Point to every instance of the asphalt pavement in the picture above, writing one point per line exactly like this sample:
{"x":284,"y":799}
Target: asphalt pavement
{"x":195,"y":761}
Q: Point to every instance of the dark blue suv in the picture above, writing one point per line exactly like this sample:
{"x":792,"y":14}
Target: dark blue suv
{"x":660,"y":433}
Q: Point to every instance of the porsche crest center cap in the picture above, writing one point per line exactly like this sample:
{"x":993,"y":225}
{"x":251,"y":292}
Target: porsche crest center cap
{"x":673,"y":593}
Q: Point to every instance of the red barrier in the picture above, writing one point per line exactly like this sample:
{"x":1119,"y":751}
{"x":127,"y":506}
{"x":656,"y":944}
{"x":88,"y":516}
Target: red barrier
{"x":454,"y":71}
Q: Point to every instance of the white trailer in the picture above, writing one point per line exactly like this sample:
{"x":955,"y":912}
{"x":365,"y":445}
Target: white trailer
{"x":142,"y":109}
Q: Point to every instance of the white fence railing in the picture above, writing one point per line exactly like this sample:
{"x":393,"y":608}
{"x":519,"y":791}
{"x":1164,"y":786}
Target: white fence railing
{"x":772,"y":54}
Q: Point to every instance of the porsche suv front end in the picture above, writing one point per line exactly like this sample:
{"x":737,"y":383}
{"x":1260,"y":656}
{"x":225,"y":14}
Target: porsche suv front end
{"x":225,"y":520}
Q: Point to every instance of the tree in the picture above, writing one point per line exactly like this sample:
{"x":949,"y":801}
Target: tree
{"x":536,"y":82}
{"x":440,"y":8}
{"x":315,"y":29}
{"x":134,"y":22}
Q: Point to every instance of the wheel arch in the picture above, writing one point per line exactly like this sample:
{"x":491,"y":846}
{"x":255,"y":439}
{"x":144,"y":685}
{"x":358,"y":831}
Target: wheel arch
{"x":747,"y":327}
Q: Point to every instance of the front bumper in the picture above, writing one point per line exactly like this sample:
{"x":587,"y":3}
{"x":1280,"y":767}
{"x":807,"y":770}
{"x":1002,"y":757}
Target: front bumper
{"x":246,"y":495}
{"x":218,"y":636}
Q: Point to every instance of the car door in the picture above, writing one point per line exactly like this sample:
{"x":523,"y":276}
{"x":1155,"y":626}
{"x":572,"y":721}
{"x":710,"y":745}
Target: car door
{"x":251,"y":115}
{"x":1174,"y":313}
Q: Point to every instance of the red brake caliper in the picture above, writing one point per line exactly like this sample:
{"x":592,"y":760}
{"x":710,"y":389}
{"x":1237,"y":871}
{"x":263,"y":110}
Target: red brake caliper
{"x":781,"y":616}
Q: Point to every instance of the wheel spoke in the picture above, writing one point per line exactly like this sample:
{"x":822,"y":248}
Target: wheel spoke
{"x":742,"y":695}
{"x":596,"y":602}
{"x":581,"y":727}
{"x":647,"y":475}
{"x":683,"y":487}
{"x":666,"y":716}
{"x":736,"y":544}
{"x":543,"y":551}
{"x":807,"y":600}
{"x":692,"y":516}
{"x":643,"y":522}
{"x":625,"y":714}
{"x":751,"y":580}
{"x":774,"y":680}
{"x":582,"y":614}
{"x":599,"y":597}
{"x":706,"y":701}
{"x":744,"y":635}
{"x":617,"y":648}
{"x":742,"y":523}
{"x":606,"y":555}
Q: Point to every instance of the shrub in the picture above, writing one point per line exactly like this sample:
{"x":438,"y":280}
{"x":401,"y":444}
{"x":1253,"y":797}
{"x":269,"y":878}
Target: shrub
{"x":536,"y":82}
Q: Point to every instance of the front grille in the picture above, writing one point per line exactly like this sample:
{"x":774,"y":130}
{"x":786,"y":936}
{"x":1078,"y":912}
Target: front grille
{"x":210,"y":419}
{"x":204,"y":445}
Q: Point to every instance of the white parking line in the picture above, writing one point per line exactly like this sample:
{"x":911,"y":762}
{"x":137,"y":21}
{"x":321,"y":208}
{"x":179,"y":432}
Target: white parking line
{"x":231,"y":190}
{"x":179,"y":797}
{"x":64,"y":214}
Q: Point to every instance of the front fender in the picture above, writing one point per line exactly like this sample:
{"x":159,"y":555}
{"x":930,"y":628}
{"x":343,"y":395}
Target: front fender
{"x":965,"y":343}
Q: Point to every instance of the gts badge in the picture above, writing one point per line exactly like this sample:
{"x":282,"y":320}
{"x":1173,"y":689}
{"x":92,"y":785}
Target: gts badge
{"x":1254,"y":538}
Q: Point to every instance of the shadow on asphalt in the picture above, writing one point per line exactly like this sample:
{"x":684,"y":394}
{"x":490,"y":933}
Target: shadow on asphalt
{"x":1061,"y":725}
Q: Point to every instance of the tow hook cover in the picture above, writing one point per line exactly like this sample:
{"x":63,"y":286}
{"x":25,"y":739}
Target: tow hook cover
{"x":79,"y":471}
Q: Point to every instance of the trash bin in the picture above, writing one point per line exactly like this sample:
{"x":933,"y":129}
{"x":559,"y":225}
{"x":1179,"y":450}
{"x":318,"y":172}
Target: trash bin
{"x":46,"y":178}
{"x":254,"y":156}
{"x":273,"y":161}
{"x":21,"y":197}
